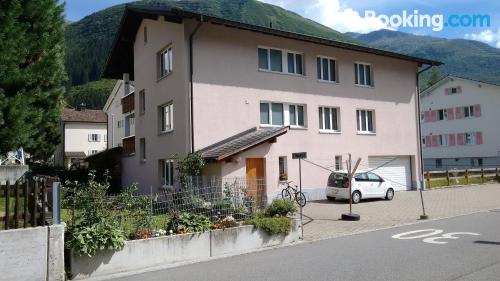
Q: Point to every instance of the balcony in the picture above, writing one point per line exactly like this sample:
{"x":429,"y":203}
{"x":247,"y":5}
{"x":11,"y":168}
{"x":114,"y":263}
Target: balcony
{"x":128,"y":103}
{"x":129,"y":146}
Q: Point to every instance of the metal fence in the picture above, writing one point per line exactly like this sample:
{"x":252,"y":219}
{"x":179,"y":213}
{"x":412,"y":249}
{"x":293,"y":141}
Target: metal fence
{"x":213,"y":197}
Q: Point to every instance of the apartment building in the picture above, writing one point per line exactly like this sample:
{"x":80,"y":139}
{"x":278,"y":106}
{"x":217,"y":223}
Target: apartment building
{"x":247,"y":97}
{"x":458,"y":118}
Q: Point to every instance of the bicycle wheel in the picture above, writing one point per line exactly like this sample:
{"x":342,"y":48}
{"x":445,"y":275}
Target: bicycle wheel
{"x":285,"y":194}
{"x":300,"y":198}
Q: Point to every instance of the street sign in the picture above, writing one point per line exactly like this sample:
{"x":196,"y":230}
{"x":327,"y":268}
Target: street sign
{"x":299,"y":155}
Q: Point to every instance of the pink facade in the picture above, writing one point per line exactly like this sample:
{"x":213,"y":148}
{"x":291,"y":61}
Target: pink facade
{"x":228,"y":88}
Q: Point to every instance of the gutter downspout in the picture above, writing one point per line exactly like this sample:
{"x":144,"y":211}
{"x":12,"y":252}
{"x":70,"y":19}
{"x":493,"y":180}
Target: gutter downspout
{"x":191,"y":71}
{"x":421,"y":156}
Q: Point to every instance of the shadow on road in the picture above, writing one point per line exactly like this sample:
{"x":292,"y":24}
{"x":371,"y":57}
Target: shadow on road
{"x":487,"y":242}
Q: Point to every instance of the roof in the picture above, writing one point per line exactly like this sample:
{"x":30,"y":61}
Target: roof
{"x":449,"y":78}
{"x":121,"y":58}
{"x":75,"y":154}
{"x":86,"y":115}
{"x":241,"y":142}
{"x":117,"y":92}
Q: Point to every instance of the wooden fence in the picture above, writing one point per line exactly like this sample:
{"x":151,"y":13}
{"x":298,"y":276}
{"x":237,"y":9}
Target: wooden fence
{"x":461,"y":177}
{"x":26,"y":203}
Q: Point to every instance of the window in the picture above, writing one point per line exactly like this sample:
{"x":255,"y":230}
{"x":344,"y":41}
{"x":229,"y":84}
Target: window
{"x":282,"y":168}
{"x":167,"y":173}
{"x":361,"y":177}
{"x":281,"y":61}
{"x":120,"y":124}
{"x":327,"y":69}
{"x":105,"y":136}
{"x":166,"y":118}
{"x":338,"y":162}
{"x":468,"y":111}
{"x":476,"y":162}
{"x":328,"y":119}
{"x":165,"y":62}
{"x":142,"y":102}
{"x":94,"y":137}
{"x":363,"y":74}
{"x":439,"y":163}
{"x":296,"y":113}
{"x":92,"y":152}
{"x":142,"y":149}
{"x":443,"y":140}
{"x":373,"y":177}
{"x":442,"y":114}
{"x":470,"y":138}
{"x":365,"y":121}
{"x":279,"y":114}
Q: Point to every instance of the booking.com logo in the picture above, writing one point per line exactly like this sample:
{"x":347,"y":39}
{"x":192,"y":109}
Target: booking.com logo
{"x":436,"y":21}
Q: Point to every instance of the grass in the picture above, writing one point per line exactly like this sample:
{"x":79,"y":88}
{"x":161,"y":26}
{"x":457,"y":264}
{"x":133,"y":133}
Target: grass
{"x":439,"y":183}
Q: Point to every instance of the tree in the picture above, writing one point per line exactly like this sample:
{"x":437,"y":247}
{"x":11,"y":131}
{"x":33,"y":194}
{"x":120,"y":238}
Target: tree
{"x":434,"y":77}
{"x":31,"y":75}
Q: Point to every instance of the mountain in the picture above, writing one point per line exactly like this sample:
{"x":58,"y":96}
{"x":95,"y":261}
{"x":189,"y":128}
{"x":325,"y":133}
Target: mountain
{"x":89,"y":40}
{"x":461,"y":57}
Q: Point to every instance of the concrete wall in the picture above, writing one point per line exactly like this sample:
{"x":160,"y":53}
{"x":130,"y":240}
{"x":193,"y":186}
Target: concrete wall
{"x":12,"y":173}
{"x":162,"y":251}
{"x":32,"y":254}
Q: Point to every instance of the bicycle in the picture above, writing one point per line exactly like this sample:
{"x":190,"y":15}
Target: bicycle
{"x":298,"y":196}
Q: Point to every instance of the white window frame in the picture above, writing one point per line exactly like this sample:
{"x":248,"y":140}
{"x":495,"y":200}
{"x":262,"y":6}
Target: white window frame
{"x":359,"y":122}
{"x":165,"y":67}
{"x":142,"y":150}
{"x":470,"y":111}
{"x":282,"y":159}
{"x":142,"y":102}
{"x":93,"y":137}
{"x":329,"y":69}
{"x":443,"y":140}
{"x":445,"y":114}
{"x":167,"y":172}
{"x":284,"y":61}
{"x":356,"y":67}
{"x":338,"y":162}
{"x":286,"y":115}
{"x":472,"y":138}
{"x":166,"y":123}
{"x":105,"y":137}
{"x":322,"y":121}
{"x":92,"y":152}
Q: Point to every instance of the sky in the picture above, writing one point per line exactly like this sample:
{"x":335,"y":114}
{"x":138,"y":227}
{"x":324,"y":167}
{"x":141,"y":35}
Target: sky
{"x":349,"y":15}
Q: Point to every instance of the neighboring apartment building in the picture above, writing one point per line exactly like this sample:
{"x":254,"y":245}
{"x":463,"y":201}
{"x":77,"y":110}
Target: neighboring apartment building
{"x":248,"y":97}
{"x":460,"y":124}
{"x":83,"y":132}
{"x":120,"y":113}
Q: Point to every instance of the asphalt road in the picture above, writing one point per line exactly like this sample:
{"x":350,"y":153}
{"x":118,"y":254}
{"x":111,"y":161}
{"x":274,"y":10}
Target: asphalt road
{"x":369,"y":256}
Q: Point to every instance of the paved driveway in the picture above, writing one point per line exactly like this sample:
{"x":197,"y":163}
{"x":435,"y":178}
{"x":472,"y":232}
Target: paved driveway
{"x":321,"y":218}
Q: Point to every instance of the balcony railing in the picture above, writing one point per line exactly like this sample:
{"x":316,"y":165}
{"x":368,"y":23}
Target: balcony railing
{"x":129,"y":145}
{"x":128,"y":103}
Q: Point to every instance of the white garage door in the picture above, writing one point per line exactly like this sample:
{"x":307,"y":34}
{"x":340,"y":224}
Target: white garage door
{"x":396,"y":169}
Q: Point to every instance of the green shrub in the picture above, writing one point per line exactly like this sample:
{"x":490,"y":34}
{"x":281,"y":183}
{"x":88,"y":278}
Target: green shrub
{"x":87,"y":239}
{"x":188,"y":223}
{"x":273,"y":226}
{"x":281,"y":208}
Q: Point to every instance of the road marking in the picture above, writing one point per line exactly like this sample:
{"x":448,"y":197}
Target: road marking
{"x":428,"y":233}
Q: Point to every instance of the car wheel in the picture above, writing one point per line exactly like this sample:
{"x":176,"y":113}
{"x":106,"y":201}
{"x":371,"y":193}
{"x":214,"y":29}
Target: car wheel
{"x":330,"y":198}
{"x":356,"y":197}
{"x":390,"y":194}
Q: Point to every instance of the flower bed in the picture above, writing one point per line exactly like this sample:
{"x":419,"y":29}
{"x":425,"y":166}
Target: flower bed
{"x":162,"y":251}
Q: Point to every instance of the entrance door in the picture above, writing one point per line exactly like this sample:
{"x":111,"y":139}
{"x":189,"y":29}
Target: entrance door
{"x":256,"y":185}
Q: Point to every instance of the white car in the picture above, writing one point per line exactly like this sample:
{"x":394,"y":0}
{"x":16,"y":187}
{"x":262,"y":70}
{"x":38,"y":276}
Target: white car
{"x":365,"y":185}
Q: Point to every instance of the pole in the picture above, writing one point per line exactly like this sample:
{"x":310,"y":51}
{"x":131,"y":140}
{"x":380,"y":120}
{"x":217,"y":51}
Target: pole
{"x":350,"y":173}
{"x":300,"y":190}
{"x":56,"y":203}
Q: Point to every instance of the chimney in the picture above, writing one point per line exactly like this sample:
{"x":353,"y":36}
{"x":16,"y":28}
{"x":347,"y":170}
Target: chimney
{"x":126,"y":84}
{"x":81,"y":107}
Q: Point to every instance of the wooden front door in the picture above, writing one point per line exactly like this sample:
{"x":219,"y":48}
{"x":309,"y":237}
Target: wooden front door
{"x":256,"y":185}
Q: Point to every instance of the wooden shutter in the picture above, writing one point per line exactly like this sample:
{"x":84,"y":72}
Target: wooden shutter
{"x":460,"y":139}
{"x":479,"y":137}
{"x":459,"y":89}
{"x":427,"y":116}
{"x":434,"y":116}
{"x":458,"y":112}
{"x":451,"y":139}
{"x":435,"y":140}
{"x":477,"y":110}
{"x":450,"y":112}
{"x":447,"y":91}
{"x":428,"y":141}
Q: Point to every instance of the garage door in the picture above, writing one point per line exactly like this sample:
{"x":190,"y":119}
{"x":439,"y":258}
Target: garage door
{"x":396,"y":169}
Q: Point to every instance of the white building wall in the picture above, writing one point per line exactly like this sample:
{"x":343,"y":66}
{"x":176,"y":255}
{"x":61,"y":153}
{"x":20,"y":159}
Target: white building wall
{"x":76,"y":137}
{"x":473,"y":93}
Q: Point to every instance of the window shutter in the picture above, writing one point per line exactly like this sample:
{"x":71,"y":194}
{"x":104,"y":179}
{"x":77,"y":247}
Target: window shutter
{"x":427,"y":116}
{"x":458,"y":113}
{"x":434,"y":116}
{"x":451,"y":140}
{"x":428,"y":141}
{"x":477,"y":110}
{"x":447,"y":91}
{"x":479,"y":137}
{"x":99,"y":137}
{"x":450,"y":113}
{"x":90,"y":137}
{"x":459,"y":89}
{"x":460,"y":139}
{"x":435,"y":140}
